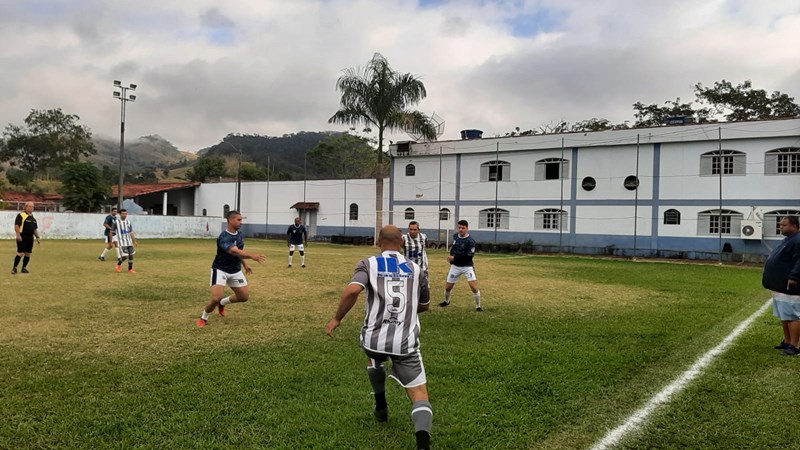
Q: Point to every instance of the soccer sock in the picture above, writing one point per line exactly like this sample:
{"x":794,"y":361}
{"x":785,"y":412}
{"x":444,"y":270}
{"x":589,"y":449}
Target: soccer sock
{"x":16,"y":260}
{"x":105,"y":251}
{"x":130,"y":264}
{"x":225,"y":301}
{"x":119,"y":255}
{"x":290,"y":258}
{"x":377,"y":378}
{"x":422,"y":415}
{"x":25,"y":261}
{"x":204,"y":315}
{"x":477,"y":297}
{"x":447,"y":296}
{"x":302,"y":259}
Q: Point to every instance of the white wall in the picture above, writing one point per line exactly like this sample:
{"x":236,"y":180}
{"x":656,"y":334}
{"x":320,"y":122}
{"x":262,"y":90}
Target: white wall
{"x":90,"y":226}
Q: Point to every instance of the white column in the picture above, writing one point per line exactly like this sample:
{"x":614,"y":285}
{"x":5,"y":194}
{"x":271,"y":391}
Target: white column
{"x":164,"y":207}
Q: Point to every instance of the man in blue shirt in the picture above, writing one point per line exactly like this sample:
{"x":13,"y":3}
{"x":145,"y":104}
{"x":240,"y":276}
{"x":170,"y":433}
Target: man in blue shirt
{"x":461,"y":253}
{"x":227,"y":269}
{"x":782,"y":277}
{"x":297,"y":235}
{"x":108,"y":224}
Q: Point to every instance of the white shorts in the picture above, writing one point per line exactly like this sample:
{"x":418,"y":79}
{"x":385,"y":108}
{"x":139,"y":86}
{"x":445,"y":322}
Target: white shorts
{"x":299,"y":247}
{"x":456,"y":272}
{"x":234,"y":280}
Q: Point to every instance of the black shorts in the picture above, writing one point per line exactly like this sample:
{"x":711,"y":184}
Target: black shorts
{"x":108,"y":238}
{"x":26,"y":244}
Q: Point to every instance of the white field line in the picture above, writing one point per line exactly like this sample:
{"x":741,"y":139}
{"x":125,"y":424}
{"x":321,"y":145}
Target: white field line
{"x":638,"y":418}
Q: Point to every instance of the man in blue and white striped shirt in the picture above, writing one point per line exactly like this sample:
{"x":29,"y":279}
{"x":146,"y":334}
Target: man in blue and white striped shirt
{"x":126,"y":240}
{"x":414,"y":244}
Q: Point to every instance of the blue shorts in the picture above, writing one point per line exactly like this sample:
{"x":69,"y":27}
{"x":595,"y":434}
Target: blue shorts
{"x":786,"y":307}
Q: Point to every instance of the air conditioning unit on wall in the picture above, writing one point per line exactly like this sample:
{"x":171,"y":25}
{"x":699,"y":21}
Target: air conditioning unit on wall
{"x":751,"y":229}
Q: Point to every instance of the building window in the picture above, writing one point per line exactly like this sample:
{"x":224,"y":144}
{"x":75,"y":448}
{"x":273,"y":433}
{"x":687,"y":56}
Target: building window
{"x":631,"y":182}
{"x":409,"y":213}
{"x":493,"y":218}
{"x":672,"y":217}
{"x":410,"y":170}
{"x":551,"y":169}
{"x":353,"y":211}
{"x":444,"y":214}
{"x":772,"y":221}
{"x":225,"y":210}
{"x":550,"y":219}
{"x":714,"y":221}
{"x":205,"y":212}
{"x":723,"y":162}
{"x":588,"y":184}
{"x":783,"y":161}
{"x":495,"y":171}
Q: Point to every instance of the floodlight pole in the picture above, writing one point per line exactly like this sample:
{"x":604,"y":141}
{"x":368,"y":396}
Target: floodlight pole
{"x":124,"y":98}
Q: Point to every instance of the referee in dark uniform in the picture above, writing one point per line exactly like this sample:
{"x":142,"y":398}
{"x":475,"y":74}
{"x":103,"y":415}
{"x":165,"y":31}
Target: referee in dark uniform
{"x":26,"y":230}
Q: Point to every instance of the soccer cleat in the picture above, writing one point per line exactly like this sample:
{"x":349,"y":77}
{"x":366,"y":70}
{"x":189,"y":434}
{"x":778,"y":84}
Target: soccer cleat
{"x":24,"y":270}
{"x":303,"y":266}
{"x":382,"y":415}
{"x":444,"y":303}
{"x":289,"y":266}
{"x":783,"y":345}
{"x":131,"y":271}
{"x":14,"y":271}
{"x":478,"y":309}
{"x":221,"y":310}
{"x":791,"y":350}
{"x":423,"y":440}
{"x":101,"y":258}
{"x":201,"y":322}
{"x":119,"y":268}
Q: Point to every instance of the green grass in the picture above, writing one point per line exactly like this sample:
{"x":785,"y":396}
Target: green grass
{"x":566,"y":349}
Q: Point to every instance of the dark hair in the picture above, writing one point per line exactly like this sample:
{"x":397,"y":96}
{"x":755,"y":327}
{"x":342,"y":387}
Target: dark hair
{"x":793,"y":220}
{"x":413,"y":222}
{"x":464,"y":223}
{"x":113,"y":209}
{"x":232,"y":213}
{"x":123,"y":210}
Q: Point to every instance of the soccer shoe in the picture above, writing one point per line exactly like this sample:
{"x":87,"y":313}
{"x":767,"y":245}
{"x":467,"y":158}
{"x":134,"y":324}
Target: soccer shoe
{"x":303,"y":266}
{"x":423,"y":440}
{"x":221,"y":310}
{"x":201,"y":322}
{"x":24,"y":270}
{"x":14,"y":271}
{"x":289,"y":266}
{"x":131,"y":271}
{"x":791,"y":350}
{"x":381,"y":415}
{"x":444,"y":303}
{"x":119,"y":268}
{"x":783,"y":345}
{"x":478,"y":309}
{"x":101,"y":258}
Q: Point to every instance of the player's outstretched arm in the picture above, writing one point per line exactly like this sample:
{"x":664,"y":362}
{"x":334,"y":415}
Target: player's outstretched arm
{"x":346,"y":303}
{"x":257,"y":257}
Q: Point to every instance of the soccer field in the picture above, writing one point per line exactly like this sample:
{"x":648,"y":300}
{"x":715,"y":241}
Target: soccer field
{"x":566,"y":349}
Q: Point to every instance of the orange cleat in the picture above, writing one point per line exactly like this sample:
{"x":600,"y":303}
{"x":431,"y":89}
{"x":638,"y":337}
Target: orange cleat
{"x":119,"y":268}
{"x":221,"y":310}
{"x":131,"y":271}
{"x":201,"y":323}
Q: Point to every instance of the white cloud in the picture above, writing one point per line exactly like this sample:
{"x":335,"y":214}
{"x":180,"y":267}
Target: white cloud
{"x":205,"y":68}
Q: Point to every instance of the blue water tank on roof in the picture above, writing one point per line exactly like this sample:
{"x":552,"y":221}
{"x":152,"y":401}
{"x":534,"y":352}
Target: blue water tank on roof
{"x":471,"y":134}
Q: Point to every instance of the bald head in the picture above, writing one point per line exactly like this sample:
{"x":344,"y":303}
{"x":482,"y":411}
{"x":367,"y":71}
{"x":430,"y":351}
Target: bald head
{"x":390,"y":238}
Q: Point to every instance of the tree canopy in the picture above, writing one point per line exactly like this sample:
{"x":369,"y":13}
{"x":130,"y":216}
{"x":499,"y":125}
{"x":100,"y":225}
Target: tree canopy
{"x":207,"y":167}
{"x":343,"y":155}
{"x":83,"y":187}
{"x":48,"y":139}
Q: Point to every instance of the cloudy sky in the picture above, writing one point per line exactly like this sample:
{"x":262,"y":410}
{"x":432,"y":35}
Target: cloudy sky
{"x":207,"y":68}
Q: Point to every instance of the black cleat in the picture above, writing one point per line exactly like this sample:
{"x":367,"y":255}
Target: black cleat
{"x":444,"y":303}
{"x":478,"y":309}
{"x":423,"y":440}
{"x":289,"y":266}
{"x":24,"y":270}
{"x":101,"y":258}
{"x":791,"y":350}
{"x":14,"y":271}
{"x":382,"y":415}
{"x":783,"y":345}
{"x":303,"y":266}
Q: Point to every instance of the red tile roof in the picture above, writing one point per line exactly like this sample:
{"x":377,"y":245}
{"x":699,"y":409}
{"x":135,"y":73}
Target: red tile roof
{"x":135,"y":190}
{"x":11,"y":196}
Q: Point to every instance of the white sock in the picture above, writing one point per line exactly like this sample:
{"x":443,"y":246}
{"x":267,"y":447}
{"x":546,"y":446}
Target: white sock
{"x":477,"y":297}
{"x":204,"y":315}
{"x":119,"y":255}
{"x":302,"y":260}
{"x":447,"y":296}
{"x":290,"y":260}
{"x":225,"y":301}
{"x":105,"y":251}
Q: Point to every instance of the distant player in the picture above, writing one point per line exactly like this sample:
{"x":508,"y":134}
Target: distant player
{"x":461,"y":253}
{"x":26,"y":229}
{"x":396,"y":290}
{"x":227,"y":269}
{"x":297,"y":237}
{"x":414,"y":244}
{"x":108,"y":225}
{"x":126,"y":240}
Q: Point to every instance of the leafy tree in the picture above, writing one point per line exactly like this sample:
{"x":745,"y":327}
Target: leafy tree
{"x":742,"y":102}
{"x":379,"y":97}
{"x":252,"y":172}
{"x":83,"y":187}
{"x":655,"y":115}
{"x":592,"y":124}
{"x":48,"y":139}
{"x":19,"y":178}
{"x":343,"y":155}
{"x":207,"y":167}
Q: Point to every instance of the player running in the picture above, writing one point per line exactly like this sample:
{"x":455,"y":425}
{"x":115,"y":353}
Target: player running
{"x":297,"y":237}
{"x":126,"y":240}
{"x":108,"y":225}
{"x":461,"y":253}
{"x":227,"y":269}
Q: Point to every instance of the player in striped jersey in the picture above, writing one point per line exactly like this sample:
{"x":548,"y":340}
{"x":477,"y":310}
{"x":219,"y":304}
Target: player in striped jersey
{"x":414,"y":244}
{"x":397,"y":289}
{"x":126,"y":240}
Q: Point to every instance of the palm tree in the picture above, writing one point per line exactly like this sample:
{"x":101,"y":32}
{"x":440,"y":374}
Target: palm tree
{"x":378,"y":97}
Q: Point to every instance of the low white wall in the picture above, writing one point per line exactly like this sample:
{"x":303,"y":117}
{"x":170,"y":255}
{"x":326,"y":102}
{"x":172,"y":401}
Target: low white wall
{"x":55,"y":225}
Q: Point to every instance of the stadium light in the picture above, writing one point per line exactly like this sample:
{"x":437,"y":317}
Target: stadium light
{"x":124,"y":97}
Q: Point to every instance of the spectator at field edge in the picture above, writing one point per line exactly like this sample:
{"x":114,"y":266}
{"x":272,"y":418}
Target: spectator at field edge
{"x":781,"y":276}
{"x":396,"y":290}
{"x":26,"y":228}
